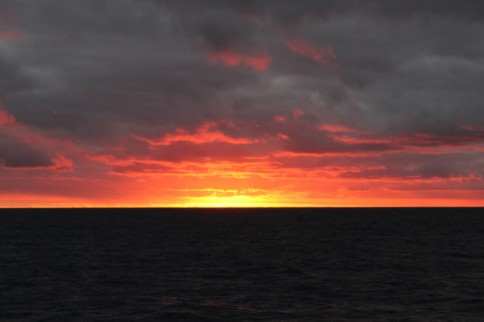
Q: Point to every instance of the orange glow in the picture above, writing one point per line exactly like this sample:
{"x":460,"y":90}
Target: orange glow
{"x":324,"y":55}
{"x":5,"y":117}
{"x":231,"y":59}
{"x":206,"y":133}
{"x":227,"y":202}
{"x":251,"y":184}
{"x":205,"y":167}
{"x":280,"y":118}
{"x":337,"y":128}
{"x":297,"y":113}
{"x":238,"y":104}
{"x":12,"y":35}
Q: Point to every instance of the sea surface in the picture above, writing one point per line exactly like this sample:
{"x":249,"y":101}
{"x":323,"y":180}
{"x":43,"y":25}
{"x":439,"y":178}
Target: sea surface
{"x":242,"y":265}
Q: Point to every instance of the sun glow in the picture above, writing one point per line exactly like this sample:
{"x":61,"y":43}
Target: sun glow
{"x":237,"y":201}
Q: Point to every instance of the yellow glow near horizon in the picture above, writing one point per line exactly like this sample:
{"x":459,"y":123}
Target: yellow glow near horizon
{"x":237,"y":201}
{"x":220,"y":198}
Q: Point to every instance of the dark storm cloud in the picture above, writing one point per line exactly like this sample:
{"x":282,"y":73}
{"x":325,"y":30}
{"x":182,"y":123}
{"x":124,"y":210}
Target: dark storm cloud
{"x":15,"y":154}
{"x":13,"y":78}
{"x":418,"y":166}
{"x":402,"y":8}
{"x":101,"y":70}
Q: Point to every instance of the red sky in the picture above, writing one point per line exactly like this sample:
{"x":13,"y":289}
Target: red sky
{"x":148,"y":104}
{"x":207,"y":167}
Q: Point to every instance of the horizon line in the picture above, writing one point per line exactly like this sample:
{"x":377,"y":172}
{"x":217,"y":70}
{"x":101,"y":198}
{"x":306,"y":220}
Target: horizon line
{"x":249,"y":207}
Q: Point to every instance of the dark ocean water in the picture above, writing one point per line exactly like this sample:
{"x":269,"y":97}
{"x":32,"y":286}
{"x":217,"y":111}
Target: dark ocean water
{"x":242,"y":265}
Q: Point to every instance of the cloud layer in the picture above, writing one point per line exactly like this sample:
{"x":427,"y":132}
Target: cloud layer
{"x":325,"y":101}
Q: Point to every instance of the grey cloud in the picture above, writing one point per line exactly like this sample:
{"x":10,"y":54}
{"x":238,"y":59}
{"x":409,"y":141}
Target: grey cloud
{"x":463,"y":9}
{"x":13,"y":78}
{"x":411,"y":166}
{"x":101,"y":70}
{"x":15,"y":154}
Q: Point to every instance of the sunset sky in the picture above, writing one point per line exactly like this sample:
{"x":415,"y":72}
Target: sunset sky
{"x":241,"y":103}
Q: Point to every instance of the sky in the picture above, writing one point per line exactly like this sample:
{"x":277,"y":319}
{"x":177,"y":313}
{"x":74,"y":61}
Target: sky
{"x":223,"y":103}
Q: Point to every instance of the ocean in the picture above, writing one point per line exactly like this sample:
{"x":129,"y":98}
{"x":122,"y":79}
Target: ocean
{"x":242,"y":264}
